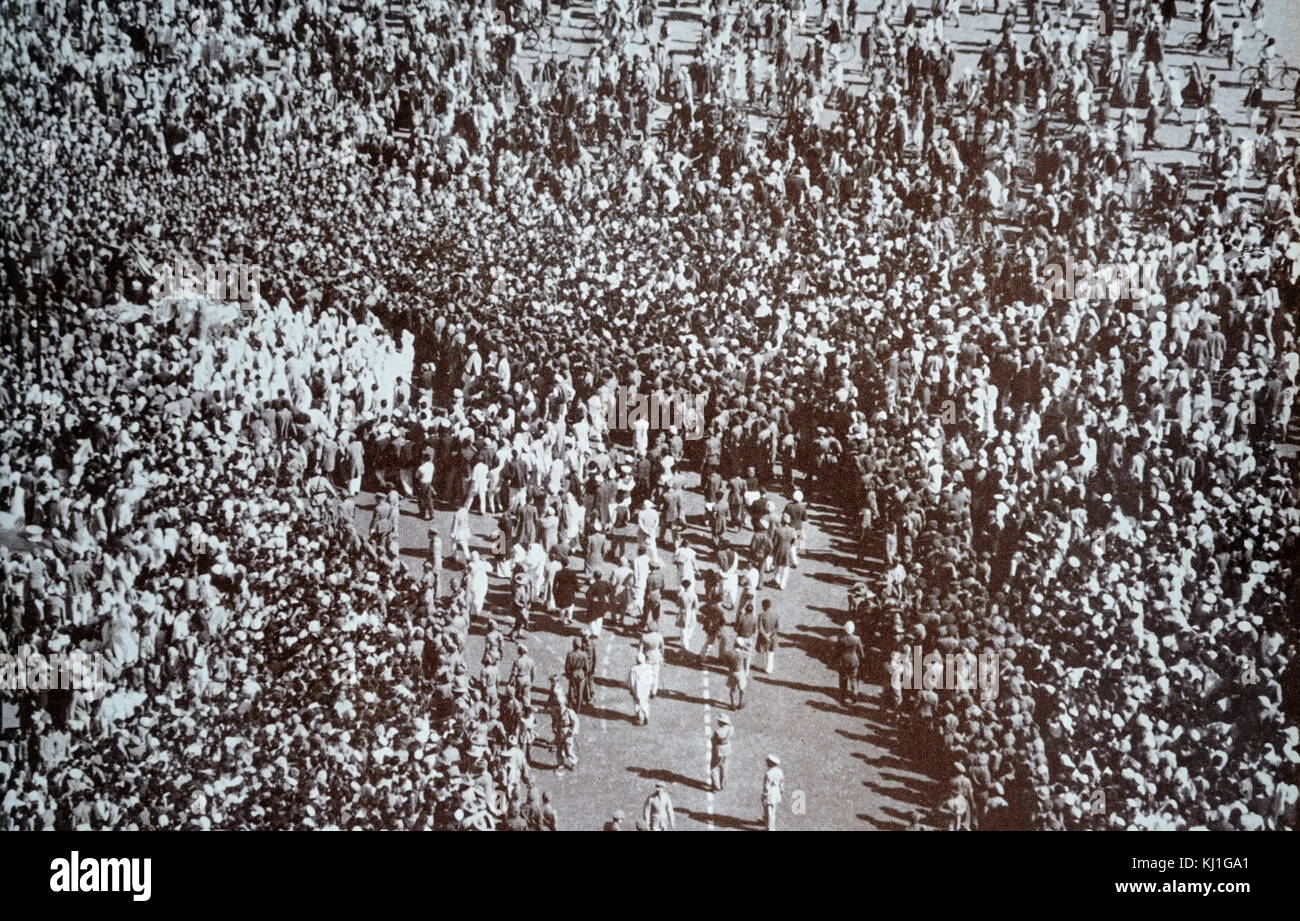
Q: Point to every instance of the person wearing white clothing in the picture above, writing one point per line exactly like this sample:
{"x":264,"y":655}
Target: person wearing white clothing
{"x":460,"y":531}
{"x":478,"y":486}
{"x":773,"y":791}
{"x":647,"y":522}
{"x":476,"y":584}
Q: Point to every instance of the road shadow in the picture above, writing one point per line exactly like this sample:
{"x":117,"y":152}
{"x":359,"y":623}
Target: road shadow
{"x":909,"y":795}
{"x":670,"y":777}
{"x":612,"y":716}
{"x":837,"y":616}
{"x":837,"y":708}
{"x":797,"y":686}
{"x":722,"y":821}
{"x":828,"y":632}
{"x":669,"y":694}
{"x":832,"y":578}
{"x":879,"y":824}
{"x":858,"y":737}
{"x":815,"y":647}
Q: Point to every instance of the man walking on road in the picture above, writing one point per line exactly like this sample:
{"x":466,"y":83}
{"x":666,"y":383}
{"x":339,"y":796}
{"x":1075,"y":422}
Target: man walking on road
{"x":567,"y":742}
{"x":773,"y":790}
{"x":796,"y":512}
{"x":424,"y":486}
{"x":720,"y":752}
{"x":848,"y":660}
{"x":712,"y":620}
{"x":647,"y":523}
{"x":640,"y":681}
{"x":652,"y":644}
{"x":659,"y":810}
{"x":736,"y":677}
{"x":522,"y":673}
{"x":769,"y":628}
{"x":577,"y":669}
{"x":783,"y":539}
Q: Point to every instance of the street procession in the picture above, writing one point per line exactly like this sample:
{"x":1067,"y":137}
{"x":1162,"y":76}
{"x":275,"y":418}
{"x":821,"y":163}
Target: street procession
{"x":637,"y":415}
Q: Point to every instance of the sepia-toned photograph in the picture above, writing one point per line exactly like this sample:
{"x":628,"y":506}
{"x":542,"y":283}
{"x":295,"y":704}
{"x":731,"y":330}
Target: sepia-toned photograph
{"x":637,"y":415}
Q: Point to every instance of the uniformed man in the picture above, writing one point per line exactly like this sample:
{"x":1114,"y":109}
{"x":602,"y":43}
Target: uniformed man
{"x":589,"y":647}
{"x":796,"y":512}
{"x":654,"y":595}
{"x":773,"y":791}
{"x":769,"y":629}
{"x":712,"y":620}
{"x":652,"y":644}
{"x":550,"y":818}
{"x":848,"y":661}
{"x":719,"y":521}
{"x":734,"y":659}
{"x":522,"y":673}
{"x":577,"y":670}
{"x":567,"y":740}
{"x":492,"y":645}
{"x":721,"y":750}
{"x":521,"y":601}
{"x":659,"y":810}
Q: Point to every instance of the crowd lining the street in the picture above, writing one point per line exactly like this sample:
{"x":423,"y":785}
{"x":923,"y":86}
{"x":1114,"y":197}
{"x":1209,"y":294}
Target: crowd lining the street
{"x":814,"y":220}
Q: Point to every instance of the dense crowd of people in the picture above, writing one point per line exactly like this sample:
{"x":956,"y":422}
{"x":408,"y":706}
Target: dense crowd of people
{"x":813,"y":219}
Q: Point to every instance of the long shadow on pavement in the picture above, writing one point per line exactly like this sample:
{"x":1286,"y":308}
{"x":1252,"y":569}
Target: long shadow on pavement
{"x":671,"y":777}
{"x":669,"y":694}
{"x":613,"y":716}
{"x":722,"y":821}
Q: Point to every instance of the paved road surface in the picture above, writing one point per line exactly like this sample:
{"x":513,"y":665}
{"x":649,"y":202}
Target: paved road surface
{"x":843,"y":769}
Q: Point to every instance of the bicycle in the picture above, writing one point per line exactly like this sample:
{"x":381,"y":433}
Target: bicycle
{"x":1191,"y":44}
{"x":1284,"y":75}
